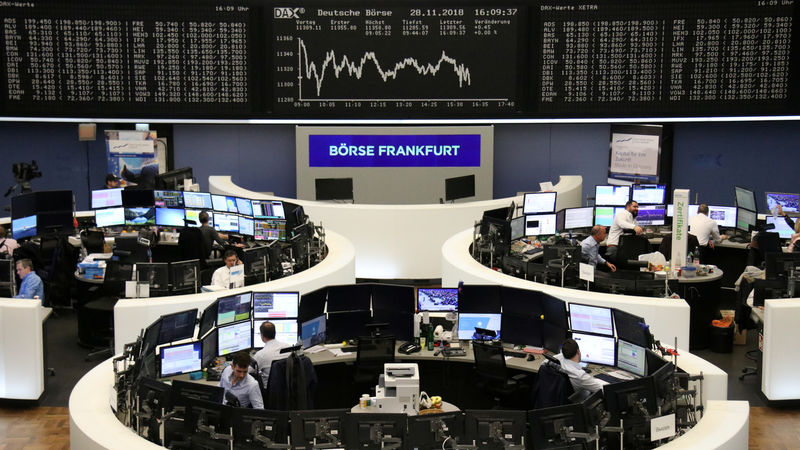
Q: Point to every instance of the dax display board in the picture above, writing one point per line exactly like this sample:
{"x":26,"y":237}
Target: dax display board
{"x":259,"y":59}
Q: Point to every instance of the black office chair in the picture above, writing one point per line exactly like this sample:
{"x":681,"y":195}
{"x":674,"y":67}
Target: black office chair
{"x":553,"y":387}
{"x":630,"y":247}
{"x":96,"y":317}
{"x":93,"y":241}
{"x":292,"y":384}
{"x":371,"y":354}
{"x":191,"y":246}
{"x":491,"y":374}
{"x":8,"y":284}
{"x":764,"y":243}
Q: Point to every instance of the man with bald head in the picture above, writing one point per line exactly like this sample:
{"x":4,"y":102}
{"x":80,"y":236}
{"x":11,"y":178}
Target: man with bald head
{"x":591,"y":245}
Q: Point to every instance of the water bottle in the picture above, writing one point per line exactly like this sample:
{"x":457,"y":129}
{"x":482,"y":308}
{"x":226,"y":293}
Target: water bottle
{"x":696,"y":259}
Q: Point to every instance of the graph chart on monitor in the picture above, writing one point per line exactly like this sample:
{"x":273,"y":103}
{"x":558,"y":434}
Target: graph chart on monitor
{"x":396,"y":59}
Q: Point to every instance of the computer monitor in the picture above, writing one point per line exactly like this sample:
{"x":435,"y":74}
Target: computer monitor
{"x":479,"y":298}
{"x":255,"y":264}
{"x":184,"y":275}
{"x":459,"y":187}
{"x":631,"y":328}
{"x":521,"y":329}
{"x":349,"y":297}
{"x":333,"y":189}
{"x":181,"y":358}
{"x":210,"y":350}
{"x":624,"y":399}
{"x":219,"y":203}
{"x":432,"y":431}
{"x":259,"y":425}
{"x":110,"y":217}
{"x":437,"y":299}
{"x":193,"y":217}
{"x":745,"y":198}
{"x":312,"y":304}
{"x":577,"y":218}
{"x":649,"y":194}
{"x":312,"y":332}
{"x":778,"y":264}
{"x":552,"y":336}
{"x":156,"y":275}
{"x":692,"y":210}
{"x":611,"y":195}
{"x":246,"y":226}
{"x":174,"y":179}
{"x":197,"y":200}
{"x":234,"y":308}
{"x":725,"y":216}
{"x":523,"y":302}
{"x":268,"y":209}
{"x":540,"y":224}
{"x":168,"y":199}
{"x":745,"y":219}
{"x":140,"y":216}
{"x":591,"y":319}
{"x":604,"y":215}
{"x":345,"y":325}
{"x":780,"y":226}
{"x":170,"y":217}
{"x":234,"y":337}
{"x":467,"y":322}
{"x":788,"y":202}
{"x":664,"y":381}
{"x":399,"y":324}
{"x":269,"y":229}
{"x":539,"y":203}
{"x":228,"y":223}
{"x":318,"y":427}
{"x":244,"y":206}
{"x":393,"y":297}
{"x":278,"y":305}
{"x":376,"y":430}
{"x":25,"y":227}
{"x":517,"y":228}
{"x":137,"y":198}
{"x":183,"y":391}
{"x":106,"y":198}
{"x":208,"y":319}
{"x":550,"y":426}
{"x":177,"y":326}
{"x":495,"y":429}
{"x":652,"y":215}
{"x":632,"y":358}
{"x":554,"y":310}
{"x":286,"y":331}
{"x":150,"y":339}
{"x":596,"y":348}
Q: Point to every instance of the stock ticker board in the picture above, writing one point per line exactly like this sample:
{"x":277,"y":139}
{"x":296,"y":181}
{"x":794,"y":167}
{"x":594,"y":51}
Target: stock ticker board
{"x":398,"y":59}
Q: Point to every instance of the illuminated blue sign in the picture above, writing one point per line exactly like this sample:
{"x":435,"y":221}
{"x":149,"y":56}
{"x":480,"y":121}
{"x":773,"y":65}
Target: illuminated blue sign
{"x":413,"y":150}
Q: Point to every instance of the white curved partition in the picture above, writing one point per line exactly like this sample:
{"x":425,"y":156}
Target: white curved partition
{"x":131,"y":315}
{"x":668,"y":318}
{"x":21,"y":348}
{"x":725,"y":425}
{"x":399,"y":241}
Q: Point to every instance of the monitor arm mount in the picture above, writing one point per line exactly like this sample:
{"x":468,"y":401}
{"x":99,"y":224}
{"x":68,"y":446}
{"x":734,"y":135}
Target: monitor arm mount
{"x":255,"y":431}
{"x":323,"y":430}
{"x":387,"y":443}
{"x":210,"y":429}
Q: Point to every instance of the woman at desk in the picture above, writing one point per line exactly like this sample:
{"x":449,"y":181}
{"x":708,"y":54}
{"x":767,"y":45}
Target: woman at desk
{"x":794,"y":244}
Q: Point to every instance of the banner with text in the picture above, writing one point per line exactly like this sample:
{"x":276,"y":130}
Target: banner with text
{"x":435,"y":150}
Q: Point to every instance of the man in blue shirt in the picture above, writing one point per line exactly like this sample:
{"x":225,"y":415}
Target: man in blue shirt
{"x":590,"y":246}
{"x":31,"y":286}
{"x":238,"y":382}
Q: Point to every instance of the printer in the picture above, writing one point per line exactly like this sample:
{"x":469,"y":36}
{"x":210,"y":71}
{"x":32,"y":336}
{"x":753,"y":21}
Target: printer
{"x":398,"y":389}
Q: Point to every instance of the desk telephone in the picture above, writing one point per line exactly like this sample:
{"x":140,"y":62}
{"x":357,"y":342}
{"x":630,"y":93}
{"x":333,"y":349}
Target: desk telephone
{"x":409,"y":348}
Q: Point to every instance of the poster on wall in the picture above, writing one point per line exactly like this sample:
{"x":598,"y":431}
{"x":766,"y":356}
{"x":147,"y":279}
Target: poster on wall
{"x":133,"y":157}
{"x":635,"y":154}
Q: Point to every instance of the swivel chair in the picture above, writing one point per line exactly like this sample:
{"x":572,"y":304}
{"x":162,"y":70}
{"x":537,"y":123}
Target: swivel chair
{"x":96,"y":317}
{"x":371,"y":354}
{"x":93,"y":241}
{"x":492,"y":374}
{"x":191,"y":246}
{"x":630,"y":247}
{"x":553,"y":387}
{"x":764,"y":243}
{"x":292,"y":384}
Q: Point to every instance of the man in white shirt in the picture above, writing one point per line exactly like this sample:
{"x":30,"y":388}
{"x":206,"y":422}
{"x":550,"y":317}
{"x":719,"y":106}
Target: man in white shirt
{"x":270,"y":352}
{"x":623,"y":221}
{"x":704,"y":228}
{"x":238,"y":382}
{"x":222,"y":276}
{"x":570,"y":358}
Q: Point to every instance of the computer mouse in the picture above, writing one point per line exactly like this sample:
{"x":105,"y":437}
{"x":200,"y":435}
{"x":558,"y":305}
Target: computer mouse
{"x":530,"y":357}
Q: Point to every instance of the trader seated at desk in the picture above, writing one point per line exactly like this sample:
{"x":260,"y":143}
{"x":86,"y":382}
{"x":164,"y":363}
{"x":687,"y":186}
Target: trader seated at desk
{"x":270,"y":352}
{"x":794,"y":243}
{"x":624,"y":221}
{"x":238,"y":382}
{"x":31,"y":286}
{"x":706,"y":230}
{"x":590,"y":246}
{"x":231,"y":275}
{"x":570,"y":358}
{"x":210,"y":235}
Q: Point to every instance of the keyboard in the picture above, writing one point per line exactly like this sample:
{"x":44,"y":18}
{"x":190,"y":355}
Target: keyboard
{"x":515,"y":354}
{"x":608,"y":378}
{"x":350,"y":349}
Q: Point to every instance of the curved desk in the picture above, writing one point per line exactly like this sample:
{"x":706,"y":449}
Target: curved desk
{"x":131,"y":315}
{"x":400,"y":241}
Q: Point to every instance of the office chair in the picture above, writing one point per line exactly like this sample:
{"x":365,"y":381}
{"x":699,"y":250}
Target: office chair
{"x":553,"y":387}
{"x":292,"y":384}
{"x":96,"y":317}
{"x":8,"y":284}
{"x":371,"y":354}
{"x":491,"y":373}
{"x":765,"y":243}
{"x":630,"y":247}
{"x":191,"y":245}
{"x":93,"y":241}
